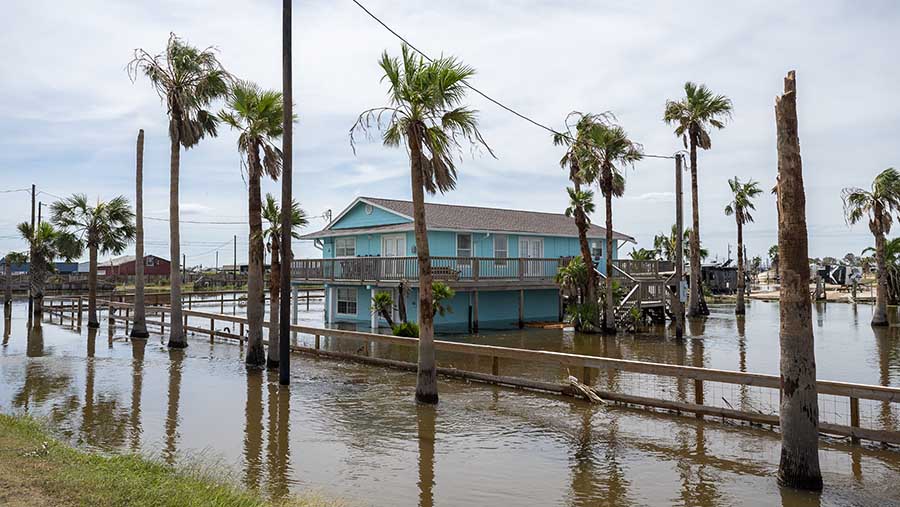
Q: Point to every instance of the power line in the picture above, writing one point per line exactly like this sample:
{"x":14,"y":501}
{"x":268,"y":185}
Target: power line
{"x":476,"y":90}
{"x":197,"y":221}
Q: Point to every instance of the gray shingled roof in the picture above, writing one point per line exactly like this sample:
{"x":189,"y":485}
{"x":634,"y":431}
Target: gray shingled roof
{"x":475,"y":218}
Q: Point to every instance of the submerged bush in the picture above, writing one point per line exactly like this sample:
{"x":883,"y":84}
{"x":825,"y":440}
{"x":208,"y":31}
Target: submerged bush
{"x":407,"y":329}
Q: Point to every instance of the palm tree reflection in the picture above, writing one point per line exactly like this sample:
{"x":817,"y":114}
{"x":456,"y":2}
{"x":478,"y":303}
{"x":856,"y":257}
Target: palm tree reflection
{"x":253,"y":429}
{"x":176,"y":359}
{"x":426,"y":416}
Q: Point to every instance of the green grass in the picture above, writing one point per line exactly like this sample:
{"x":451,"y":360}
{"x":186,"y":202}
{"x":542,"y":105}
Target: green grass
{"x":36,"y":469}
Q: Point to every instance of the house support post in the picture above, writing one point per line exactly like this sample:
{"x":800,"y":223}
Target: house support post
{"x":330,"y":306}
{"x":521,"y":308}
{"x":475,"y":311}
{"x":295,"y":294}
{"x":374,"y":316}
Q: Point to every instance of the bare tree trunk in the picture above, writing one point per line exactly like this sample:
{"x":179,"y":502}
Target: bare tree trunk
{"x":426,"y":377}
{"x":177,"y":339}
{"x":696,"y":277}
{"x":256,"y":355}
{"x":139,"y":327}
{"x":739,"y":307}
{"x":799,"y":414}
{"x":93,"y":321}
{"x":273,"y":350}
{"x":879,"y":317}
{"x":609,"y":320}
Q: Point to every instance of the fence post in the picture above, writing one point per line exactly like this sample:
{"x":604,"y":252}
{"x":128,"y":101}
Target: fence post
{"x":586,"y":376}
{"x":79,"y":310}
{"x":127,"y":314}
{"x":222,"y":303}
{"x":242,"y":332}
{"x":212,"y":329}
{"x":317,"y":342}
{"x":162,"y":322}
{"x":495,"y":366}
{"x":698,"y":395}
{"x":854,"y":418}
{"x":190,"y":299}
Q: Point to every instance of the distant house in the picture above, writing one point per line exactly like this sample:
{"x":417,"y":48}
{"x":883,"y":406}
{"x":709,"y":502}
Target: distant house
{"x":125,"y":265}
{"x":60,"y":267}
{"x":720,"y":278}
{"x":500,"y":262}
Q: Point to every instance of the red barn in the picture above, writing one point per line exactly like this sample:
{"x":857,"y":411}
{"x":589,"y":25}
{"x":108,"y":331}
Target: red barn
{"x":124,"y":265}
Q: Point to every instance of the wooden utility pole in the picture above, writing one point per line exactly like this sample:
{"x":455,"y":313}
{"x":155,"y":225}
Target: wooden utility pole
{"x":678,"y":307}
{"x":799,"y":412}
{"x":287,"y":199}
{"x":31,"y":257}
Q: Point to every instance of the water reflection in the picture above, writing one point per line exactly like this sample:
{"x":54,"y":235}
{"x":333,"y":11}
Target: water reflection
{"x":7,"y":323}
{"x":426,"y":416}
{"x":176,"y":360}
{"x":35,"y":346}
{"x":887,"y":346}
{"x":253,"y":427}
{"x":598,"y":479}
{"x":138,"y":347}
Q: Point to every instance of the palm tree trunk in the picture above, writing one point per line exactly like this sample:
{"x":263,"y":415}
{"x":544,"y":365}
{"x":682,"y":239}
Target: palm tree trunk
{"x":7,"y":298}
{"x":879,"y":317}
{"x":177,"y":339}
{"x":799,"y":413}
{"x":609,"y":321}
{"x":739,"y":307}
{"x":593,"y":279}
{"x":274,"y":353}
{"x":256,"y":355}
{"x":139,"y":328}
{"x":426,"y":376}
{"x":93,"y":321}
{"x":695,"y":292}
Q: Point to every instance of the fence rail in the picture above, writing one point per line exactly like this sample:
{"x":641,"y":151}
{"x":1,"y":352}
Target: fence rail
{"x":705,"y":381}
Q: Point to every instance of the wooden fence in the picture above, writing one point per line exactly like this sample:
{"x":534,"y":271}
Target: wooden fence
{"x":707,"y":383}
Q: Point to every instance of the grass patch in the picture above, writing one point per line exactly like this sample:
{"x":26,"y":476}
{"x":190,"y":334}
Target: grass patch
{"x":37,"y":469}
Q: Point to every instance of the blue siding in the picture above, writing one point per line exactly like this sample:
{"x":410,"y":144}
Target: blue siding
{"x":357,"y":217}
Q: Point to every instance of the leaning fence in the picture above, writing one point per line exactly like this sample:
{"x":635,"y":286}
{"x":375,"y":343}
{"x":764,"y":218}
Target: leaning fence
{"x":855,"y":411}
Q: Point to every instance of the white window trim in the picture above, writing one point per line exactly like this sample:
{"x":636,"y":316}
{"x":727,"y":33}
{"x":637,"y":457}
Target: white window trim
{"x":471,"y":248}
{"x":506,"y":250}
{"x":346,"y":238}
{"x":387,"y":237}
{"x":337,"y":301}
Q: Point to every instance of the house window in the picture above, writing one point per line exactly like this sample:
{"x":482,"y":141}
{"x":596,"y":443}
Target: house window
{"x":596,"y":248}
{"x":345,"y":247}
{"x":464,"y":248}
{"x":501,"y":249}
{"x":346,"y":300}
{"x":149,"y":261}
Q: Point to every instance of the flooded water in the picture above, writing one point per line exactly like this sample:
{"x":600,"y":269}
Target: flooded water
{"x":352,"y":431}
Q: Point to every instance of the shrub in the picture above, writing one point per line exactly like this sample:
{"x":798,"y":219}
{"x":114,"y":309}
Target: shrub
{"x":407,"y":329}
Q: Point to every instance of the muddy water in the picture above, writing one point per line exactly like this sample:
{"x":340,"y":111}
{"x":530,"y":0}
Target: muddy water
{"x":352,"y":431}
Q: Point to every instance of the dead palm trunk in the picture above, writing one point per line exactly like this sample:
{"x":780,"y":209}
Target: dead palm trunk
{"x":255,"y":297}
{"x":93,"y":321}
{"x":879,"y":317}
{"x":739,"y":308}
{"x":426,"y":376}
{"x":609,"y":320}
{"x":139,"y":328}
{"x":696,"y":293}
{"x":177,"y":338}
{"x":799,"y":413}
{"x":274,"y":352}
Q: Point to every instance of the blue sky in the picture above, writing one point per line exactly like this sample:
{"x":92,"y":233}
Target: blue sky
{"x":69,"y":114}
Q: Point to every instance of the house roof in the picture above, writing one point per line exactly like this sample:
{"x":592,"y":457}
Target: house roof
{"x":125,"y":259}
{"x":469,"y":218}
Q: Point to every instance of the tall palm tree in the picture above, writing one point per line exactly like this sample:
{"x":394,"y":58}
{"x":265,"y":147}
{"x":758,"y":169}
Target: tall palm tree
{"x":189,"y":80}
{"x":271,"y":212}
{"x":878,"y":203}
{"x":46,"y":244}
{"x":693,"y":116}
{"x":8,"y":261}
{"x":611,"y":150}
{"x":105,"y":227}
{"x":581,"y":206}
{"x":139,"y":326}
{"x":426,"y":116}
{"x":256,"y":114}
{"x":575,"y":139}
{"x":741,"y":205}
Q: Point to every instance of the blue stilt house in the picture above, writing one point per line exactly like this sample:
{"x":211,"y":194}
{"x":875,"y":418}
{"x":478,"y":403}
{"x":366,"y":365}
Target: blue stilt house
{"x":501,"y":263}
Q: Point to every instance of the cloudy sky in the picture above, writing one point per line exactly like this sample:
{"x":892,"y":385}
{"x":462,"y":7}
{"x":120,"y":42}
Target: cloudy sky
{"x":69,"y":114}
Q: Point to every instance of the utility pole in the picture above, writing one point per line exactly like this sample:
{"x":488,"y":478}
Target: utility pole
{"x":40,"y":208}
{"x":31,"y":258}
{"x":679,"y":249}
{"x":183,"y":268}
{"x":287,"y":148}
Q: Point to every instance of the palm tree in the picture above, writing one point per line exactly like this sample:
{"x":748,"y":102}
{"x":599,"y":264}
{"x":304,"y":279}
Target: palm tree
{"x":425,"y":115}
{"x":189,"y":80}
{"x":139,"y":326}
{"x":610,"y":149}
{"x":693,"y":116}
{"x":256,"y":114}
{"x":741,"y":206}
{"x":271,"y":212}
{"x":46,"y":244}
{"x":106,"y":227}
{"x":576,"y":139}
{"x":892,"y":264}
{"x":383,"y":304}
{"x":666,"y":248}
{"x":878,"y":204}
{"x":8,"y":261}
{"x":642,"y":254}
